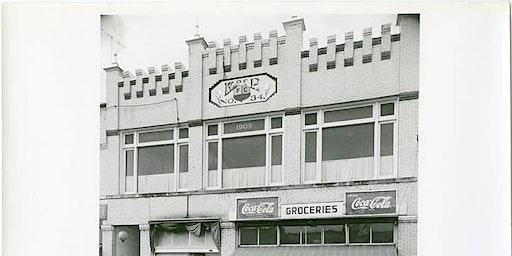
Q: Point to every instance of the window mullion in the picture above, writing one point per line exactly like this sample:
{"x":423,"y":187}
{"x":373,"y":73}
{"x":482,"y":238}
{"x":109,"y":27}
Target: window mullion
{"x":135,"y":164}
{"x":219,"y":155}
{"x":320,"y":120}
{"x":376,"y":141}
{"x":268,"y":150}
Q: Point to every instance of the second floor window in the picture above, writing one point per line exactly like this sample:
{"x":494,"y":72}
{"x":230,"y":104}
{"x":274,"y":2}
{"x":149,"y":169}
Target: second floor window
{"x":246,"y":153}
{"x":155,"y":161}
{"x":355,"y":143}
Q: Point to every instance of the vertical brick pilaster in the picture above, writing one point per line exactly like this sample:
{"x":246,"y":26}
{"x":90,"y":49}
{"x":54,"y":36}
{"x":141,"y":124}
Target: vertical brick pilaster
{"x":242,"y":52}
{"x":145,"y":248}
{"x":331,"y":52}
{"x":129,"y":83}
{"x":272,"y":47}
{"x":164,"y":83}
{"x":385,"y":45}
{"x":292,"y":60}
{"x":211,"y":62}
{"x":195,"y":158}
{"x":292,"y":149}
{"x":409,"y":51}
{"x":367,"y":45}
{"x":227,"y":55}
{"x":313,"y":55}
{"x":349,"y":49}
{"x":107,"y":232}
{"x":194,"y":92}
{"x":257,"y":50}
{"x":178,"y":77}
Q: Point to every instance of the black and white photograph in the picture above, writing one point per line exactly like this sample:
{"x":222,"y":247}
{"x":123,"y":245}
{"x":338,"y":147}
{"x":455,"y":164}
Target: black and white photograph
{"x":256,"y":128}
{"x":265,"y":143}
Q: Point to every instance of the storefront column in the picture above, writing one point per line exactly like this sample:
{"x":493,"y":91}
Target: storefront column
{"x":292,"y":145}
{"x":106,"y":233}
{"x":145,"y":249}
{"x":228,"y":238}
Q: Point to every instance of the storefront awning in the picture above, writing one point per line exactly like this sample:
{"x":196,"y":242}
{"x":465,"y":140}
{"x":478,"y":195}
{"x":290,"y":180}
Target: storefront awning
{"x":355,"y":250}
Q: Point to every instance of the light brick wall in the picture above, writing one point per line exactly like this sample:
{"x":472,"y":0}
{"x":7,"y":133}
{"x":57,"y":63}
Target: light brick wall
{"x":408,"y":138}
{"x":407,"y":238}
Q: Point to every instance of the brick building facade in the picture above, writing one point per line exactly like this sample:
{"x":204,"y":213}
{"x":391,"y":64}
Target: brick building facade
{"x":256,"y":148}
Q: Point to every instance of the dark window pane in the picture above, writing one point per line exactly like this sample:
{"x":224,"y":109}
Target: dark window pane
{"x":213,"y":129}
{"x":156,"y":160}
{"x":310,"y":147}
{"x":184,"y":158}
{"x":128,"y":139}
{"x":386,"y":140}
{"x":313,"y":235}
{"x":334,"y":234}
{"x":183,"y":133}
{"x":268,"y":235}
{"x":290,"y":234}
{"x":310,"y":118}
{"x":243,"y":152}
{"x":129,"y":163}
{"x":276,"y":122}
{"x":387,"y":109}
{"x":155,"y":136}
{"x":359,"y":233}
{"x":348,"y":114}
{"x":347,"y":142}
{"x":212,"y":155}
{"x":277,"y":150}
{"x":244,"y":126}
{"x":248,"y":236}
{"x":382,"y":233}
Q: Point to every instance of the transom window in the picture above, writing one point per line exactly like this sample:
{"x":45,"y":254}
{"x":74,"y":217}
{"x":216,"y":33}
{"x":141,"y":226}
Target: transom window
{"x":354,"y":143}
{"x":155,"y":161}
{"x":321,"y":234}
{"x":245,"y":153}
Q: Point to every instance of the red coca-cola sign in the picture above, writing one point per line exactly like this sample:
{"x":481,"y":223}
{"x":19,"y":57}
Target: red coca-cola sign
{"x":257,"y":208}
{"x":374,"y":202}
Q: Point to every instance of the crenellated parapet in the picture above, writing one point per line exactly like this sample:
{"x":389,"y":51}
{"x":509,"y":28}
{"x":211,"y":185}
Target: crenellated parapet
{"x":221,"y":59}
{"x":153,"y":82}
{"x":368,"y":47}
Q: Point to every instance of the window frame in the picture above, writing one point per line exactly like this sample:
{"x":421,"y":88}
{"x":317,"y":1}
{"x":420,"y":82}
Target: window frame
{"x":175,"y":141}
{"x":303,"y":235}
{"x":376,"y":120}
{"x":220,"y":136}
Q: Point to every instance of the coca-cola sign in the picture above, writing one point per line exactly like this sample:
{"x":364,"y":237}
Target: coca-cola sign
{"x":257,"y":208}
{"x":378,"y":202}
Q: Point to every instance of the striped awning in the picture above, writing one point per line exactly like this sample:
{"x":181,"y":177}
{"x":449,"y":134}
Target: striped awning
{"x":351,"y":250}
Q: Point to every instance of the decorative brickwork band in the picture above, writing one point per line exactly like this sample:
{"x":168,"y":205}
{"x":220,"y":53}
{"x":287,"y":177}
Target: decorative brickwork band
{"x":313,"y":67}
{"x":367,"y":58}
{"x":178,"y":88}
{"x":195,"y":123}
{"x":272,"y":61}
{"x":331,"y":64}
{"x":292,"y":111}
{"x":242,"y":66}
{"x":257,"y":63}
{"x":112,"y":132}
{"x":413,"y":95}
{"x":349,"y":62}
{"x":385,"y":55}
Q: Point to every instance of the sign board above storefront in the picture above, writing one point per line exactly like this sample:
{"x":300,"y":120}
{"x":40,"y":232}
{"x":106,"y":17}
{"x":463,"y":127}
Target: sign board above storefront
{"x":312,"y":210}
{"x":257,"y":208}
{"x":243,"y":90}
{"x":374,"y":202}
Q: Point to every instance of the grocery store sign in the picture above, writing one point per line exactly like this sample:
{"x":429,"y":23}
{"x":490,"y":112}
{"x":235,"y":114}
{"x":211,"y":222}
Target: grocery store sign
{"x":257,"y":208}
{"x":243,"y":90}
{"x":374,"y":202}
{"x":312,"y":210}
